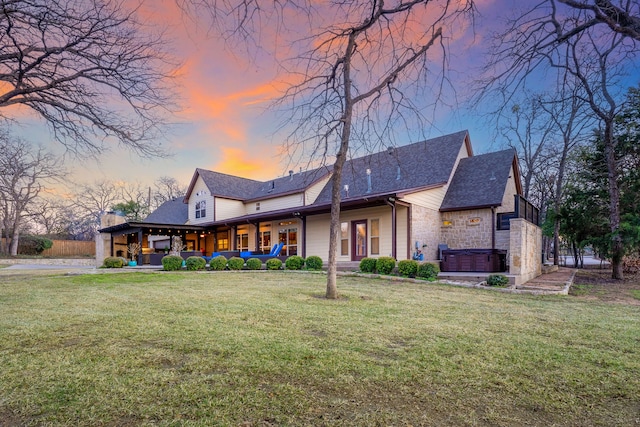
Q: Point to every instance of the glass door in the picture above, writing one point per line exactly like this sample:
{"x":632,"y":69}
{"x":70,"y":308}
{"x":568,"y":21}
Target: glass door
{"x":358,"y":239}
{"x":288,"y":236}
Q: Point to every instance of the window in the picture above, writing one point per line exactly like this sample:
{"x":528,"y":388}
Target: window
{"x":288,"y":236}
{"x":243,"y":241}
{"x":375,"y":237}
{"x":201,"y":209}
{"x":344,"y":238}
{"x":503,"y":220}
{"x":222,"y":241}
{"x":265,"y":241}
{"x":257,"y":206}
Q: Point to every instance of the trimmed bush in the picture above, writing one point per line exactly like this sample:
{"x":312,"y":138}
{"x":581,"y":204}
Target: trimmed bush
{"x":235,"y":263}
{"x":172,"y":263}
{"x":196,"y":263}
{"x":368,"y":265}
{"x":314,"y":262}
{"x":33,"y":245}
{"x":408,"y":267}
{"x":218,"y":263}
{"x":385,"y":265}
{"x":254,"y":264}
{"x":274,"y":264}
{"x":112,"y":262}
{"x":294,"y":262}
{"x":497,"y":280}
{"x":428,"y":271}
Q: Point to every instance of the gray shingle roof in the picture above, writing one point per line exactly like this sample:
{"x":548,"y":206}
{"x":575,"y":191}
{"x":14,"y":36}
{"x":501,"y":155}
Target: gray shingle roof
{"x":293,"y":183}
{"x":479,"y":181}
{"x":413,"y":166}
{"x":170,"y":212}
{"x":223,"y":185}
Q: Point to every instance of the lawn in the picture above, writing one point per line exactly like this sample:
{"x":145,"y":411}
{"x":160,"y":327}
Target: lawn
{"x":266,"y":349}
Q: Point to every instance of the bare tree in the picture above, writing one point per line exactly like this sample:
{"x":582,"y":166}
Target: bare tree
{"x":166,"y":188}
{"x":529,"y":132}
{"x":90,"y":201}
{"x":569,"y":116}
{"x":623,"y":18}
{"x":90,"y":69}
{"x":360,"y":71}
{"x":595,"y":57}
{"x":23,"y":172}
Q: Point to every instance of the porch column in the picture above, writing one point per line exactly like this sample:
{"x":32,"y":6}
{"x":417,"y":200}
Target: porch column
{"x":139,"y":260}
{"x":303,"y":234}
{"x":392,"y":203}
{"x":257,"y":245}
{"x":234,"y":238}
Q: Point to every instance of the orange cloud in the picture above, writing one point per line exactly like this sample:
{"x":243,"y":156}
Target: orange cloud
{"x":246,"y":163}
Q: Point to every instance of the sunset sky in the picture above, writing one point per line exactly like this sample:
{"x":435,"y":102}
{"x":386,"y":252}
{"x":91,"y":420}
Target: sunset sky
{"x":225,"y":125}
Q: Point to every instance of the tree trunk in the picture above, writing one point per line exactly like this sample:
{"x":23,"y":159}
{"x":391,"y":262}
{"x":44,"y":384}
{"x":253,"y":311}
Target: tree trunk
{"x":15,"y":238}
{"x":617,"y":247}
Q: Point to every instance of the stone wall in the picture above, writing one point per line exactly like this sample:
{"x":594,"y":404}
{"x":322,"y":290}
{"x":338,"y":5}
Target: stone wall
{"x":525,"y":241}
{"x":425,"y":229}
{"x":103,"y":247}
{"x":467,"y":229}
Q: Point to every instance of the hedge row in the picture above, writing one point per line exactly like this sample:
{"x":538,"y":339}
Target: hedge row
{"x":406,"y":268}
{"x":219,"y":263}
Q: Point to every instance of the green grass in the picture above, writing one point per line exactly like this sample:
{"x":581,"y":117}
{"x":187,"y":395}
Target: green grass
{"x":635,"y":293}
{"x":254,"y":349}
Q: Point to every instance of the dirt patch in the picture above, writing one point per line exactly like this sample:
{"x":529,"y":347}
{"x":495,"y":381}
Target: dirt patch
{"x":598,"y":285}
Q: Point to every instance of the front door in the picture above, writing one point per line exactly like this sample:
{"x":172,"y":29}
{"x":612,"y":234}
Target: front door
{"x":358,"y":239}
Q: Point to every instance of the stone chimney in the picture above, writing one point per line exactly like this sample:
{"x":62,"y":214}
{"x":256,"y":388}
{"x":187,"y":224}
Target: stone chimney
{"x":111,"y":218}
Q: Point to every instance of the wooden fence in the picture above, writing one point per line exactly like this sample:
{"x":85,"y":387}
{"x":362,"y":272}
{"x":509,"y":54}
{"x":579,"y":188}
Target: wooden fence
{"x":66,"y":248}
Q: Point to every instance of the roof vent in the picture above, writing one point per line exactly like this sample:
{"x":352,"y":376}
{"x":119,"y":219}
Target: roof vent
{"x":291,"y":174}
{"x":390,"y":150}
{"x":398,"y":176}
{"x":368,"y":180}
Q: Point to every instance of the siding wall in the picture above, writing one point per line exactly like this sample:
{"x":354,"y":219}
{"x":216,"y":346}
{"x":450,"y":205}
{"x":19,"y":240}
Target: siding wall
{"x":208,"y":198}
{"x":312,"y":192}
{"x":431,"y":199}
{"x":318,"y":232}
{"x":228,"y":208}
{"x":277,"y":203}
{"x":508,"y":199}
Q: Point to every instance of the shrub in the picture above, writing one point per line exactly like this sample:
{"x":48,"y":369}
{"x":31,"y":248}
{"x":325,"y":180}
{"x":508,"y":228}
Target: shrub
{"x":428,"y":271}
{"x":294,"y":262}
{"x":33,"y":245}
{"x":274,"y":264}
{"x":172,"y":263}
{"x":314,"y":262}
{"x":408,"y":267}
{"x":385,"y":265}
{"x":112,"y":262}
{"x":368,"y":265}
{"x":235,"y":263}
{"x":254,"y":264}
{"x":124,"y":260}
{"x":218,"y":263}
{"x":497,"y":280}
{"x":196,"y":263}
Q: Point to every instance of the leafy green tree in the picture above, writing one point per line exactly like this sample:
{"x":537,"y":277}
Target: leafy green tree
{"x":133,"y":211}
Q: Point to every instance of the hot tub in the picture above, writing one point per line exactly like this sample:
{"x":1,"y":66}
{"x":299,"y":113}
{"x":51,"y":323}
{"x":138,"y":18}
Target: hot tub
{"x":475,"y":260}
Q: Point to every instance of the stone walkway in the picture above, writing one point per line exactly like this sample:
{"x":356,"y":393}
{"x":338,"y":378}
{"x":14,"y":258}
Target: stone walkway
{"x":557,"y":282}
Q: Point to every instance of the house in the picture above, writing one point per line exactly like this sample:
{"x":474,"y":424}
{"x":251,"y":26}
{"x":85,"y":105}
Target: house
{"x":431,"y":200}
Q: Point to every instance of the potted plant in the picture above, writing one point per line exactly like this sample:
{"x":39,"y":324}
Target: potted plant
{"x":166,"y":249}
{"x":134,"y":250}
